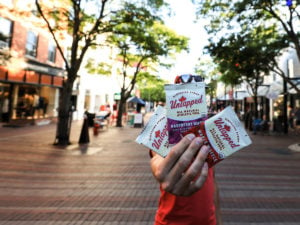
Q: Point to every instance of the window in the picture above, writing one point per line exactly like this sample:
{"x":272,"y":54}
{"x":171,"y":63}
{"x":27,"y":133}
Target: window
{"x":51,"y":52}
{"x":31,"y":44}
{"x":5,"y":33}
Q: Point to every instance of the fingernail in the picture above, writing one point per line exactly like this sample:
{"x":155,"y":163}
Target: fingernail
{"x":190,"y":136}
{"x":198,"y":141}
{"x":206,"y":149}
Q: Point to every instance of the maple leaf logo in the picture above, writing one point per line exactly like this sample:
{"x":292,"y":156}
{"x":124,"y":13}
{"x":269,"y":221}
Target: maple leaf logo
{"x":182,"y":99}
{"x":157,"y":133}
{"x":227,"y":127}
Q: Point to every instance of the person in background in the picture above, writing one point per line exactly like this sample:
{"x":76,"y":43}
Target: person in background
{"x":35,"y":105}
{"x":260,"y":124}
{"x":248,"y":119}
{"x":5,"y":108}
{"x":188,"y":190}
{"x":108,"y":110}
{"x":291,"y":117}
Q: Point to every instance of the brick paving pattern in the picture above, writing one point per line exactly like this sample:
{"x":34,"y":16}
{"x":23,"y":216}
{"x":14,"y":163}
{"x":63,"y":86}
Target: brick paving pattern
{"x":261,"y":184}
{"x":108,"y":182}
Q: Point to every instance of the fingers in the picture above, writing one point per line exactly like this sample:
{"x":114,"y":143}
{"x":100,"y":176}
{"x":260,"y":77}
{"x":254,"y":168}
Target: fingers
{"x":177,"y":151}
{"x":198,"y":183}
{"x":186,"y":159}
{"x":190,"y":164}
{"x":195,"y":176}
{"x":184,"y":170}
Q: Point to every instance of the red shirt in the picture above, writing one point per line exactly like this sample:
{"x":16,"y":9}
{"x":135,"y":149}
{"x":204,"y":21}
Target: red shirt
{"x":198,"y":209}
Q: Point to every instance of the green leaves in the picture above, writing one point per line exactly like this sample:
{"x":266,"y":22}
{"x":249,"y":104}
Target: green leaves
{"x":152,"y":88}
{"x":144,"y":33}
{"x":142,"y":39}
{"x":247,"y":36}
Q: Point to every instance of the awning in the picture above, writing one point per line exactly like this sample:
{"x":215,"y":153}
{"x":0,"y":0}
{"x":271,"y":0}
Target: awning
{"x":224,"y":97}
{"x":276,"y":88}
{"x":137,"y":100}
{"x":238,"y":95}
{"x":262,"y":90}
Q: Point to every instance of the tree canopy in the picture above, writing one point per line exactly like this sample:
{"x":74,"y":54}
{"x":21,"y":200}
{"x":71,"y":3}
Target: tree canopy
{"x":141,"y":39}
{"x":254,"y":33}
{"x":77,"y":24}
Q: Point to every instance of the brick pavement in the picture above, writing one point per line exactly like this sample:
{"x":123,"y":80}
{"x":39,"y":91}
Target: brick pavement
{"x":261,"y":184}
{"x":110,"y":183}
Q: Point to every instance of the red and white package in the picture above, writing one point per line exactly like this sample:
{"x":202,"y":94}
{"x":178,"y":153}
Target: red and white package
{"x":224,"y":133}
{"x":155,"y":134}
{"x":186,"y":108}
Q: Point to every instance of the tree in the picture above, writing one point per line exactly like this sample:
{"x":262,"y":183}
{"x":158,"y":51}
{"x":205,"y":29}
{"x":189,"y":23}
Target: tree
{"x":207,"y":69}
{"x":245,"y":57}
{"x":141,"y":39}
{"x":73,"y":18}
{"x":83,"y":21}
{"x":229,"y":17}
{"x":152,"y":88}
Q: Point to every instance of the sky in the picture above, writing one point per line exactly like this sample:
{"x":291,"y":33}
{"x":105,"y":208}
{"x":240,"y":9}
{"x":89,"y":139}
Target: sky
{"x":183,"y":23}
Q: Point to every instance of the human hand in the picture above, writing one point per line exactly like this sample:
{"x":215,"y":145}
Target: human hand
{"x":184,"y":170}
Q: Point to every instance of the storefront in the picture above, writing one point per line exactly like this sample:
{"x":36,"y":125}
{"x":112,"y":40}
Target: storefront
{"x":29,"y":93}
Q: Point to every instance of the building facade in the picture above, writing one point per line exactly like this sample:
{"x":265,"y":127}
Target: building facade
{"x":31,"y":68}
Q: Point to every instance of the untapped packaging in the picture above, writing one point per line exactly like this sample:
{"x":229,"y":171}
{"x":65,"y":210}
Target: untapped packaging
{"x":155,"y":133}
{"x":224,"y":133}
{"x":186,"y":108}
{"x":187,"y":113}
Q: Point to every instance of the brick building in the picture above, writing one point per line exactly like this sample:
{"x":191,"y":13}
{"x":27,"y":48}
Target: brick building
{"x":31,"y":68}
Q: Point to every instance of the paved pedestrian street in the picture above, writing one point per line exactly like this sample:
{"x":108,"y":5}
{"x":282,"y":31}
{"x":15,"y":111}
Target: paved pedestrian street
{"x":108,"y":181}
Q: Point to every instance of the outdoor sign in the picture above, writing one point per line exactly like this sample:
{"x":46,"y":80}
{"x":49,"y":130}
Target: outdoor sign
{"x":138,"y":120}
{"x":117,"y":96}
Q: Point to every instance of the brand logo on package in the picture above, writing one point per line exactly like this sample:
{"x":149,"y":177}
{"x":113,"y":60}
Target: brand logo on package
{"x":159,"y":137}
{"x":182,"y":103}
{"x":224,"y":130}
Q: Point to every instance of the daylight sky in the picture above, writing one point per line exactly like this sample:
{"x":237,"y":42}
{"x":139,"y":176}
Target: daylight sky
{"x":183,"y":23}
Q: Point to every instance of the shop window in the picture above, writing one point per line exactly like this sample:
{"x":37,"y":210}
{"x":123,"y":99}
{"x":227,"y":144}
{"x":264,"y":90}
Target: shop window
{"x":5,"y":33}
{"x":51,"y":52}
{"x":31,"y":44}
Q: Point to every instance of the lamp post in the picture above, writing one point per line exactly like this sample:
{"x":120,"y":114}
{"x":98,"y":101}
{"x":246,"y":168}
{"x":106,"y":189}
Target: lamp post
{"x":285,"y":100}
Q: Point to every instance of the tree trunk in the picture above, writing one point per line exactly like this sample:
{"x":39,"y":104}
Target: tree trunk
{"x":64,"y":115}
{"x":120,"y":115}
{"x":122,"y":104}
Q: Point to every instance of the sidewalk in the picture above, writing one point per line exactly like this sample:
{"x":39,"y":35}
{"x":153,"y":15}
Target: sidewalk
{"x":109,"y":181}
{"x":261,"y":184}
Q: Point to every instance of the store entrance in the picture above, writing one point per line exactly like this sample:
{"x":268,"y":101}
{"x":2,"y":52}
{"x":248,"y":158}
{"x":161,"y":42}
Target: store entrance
{"x":4,"y":102}
{"x":27,"y":102}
